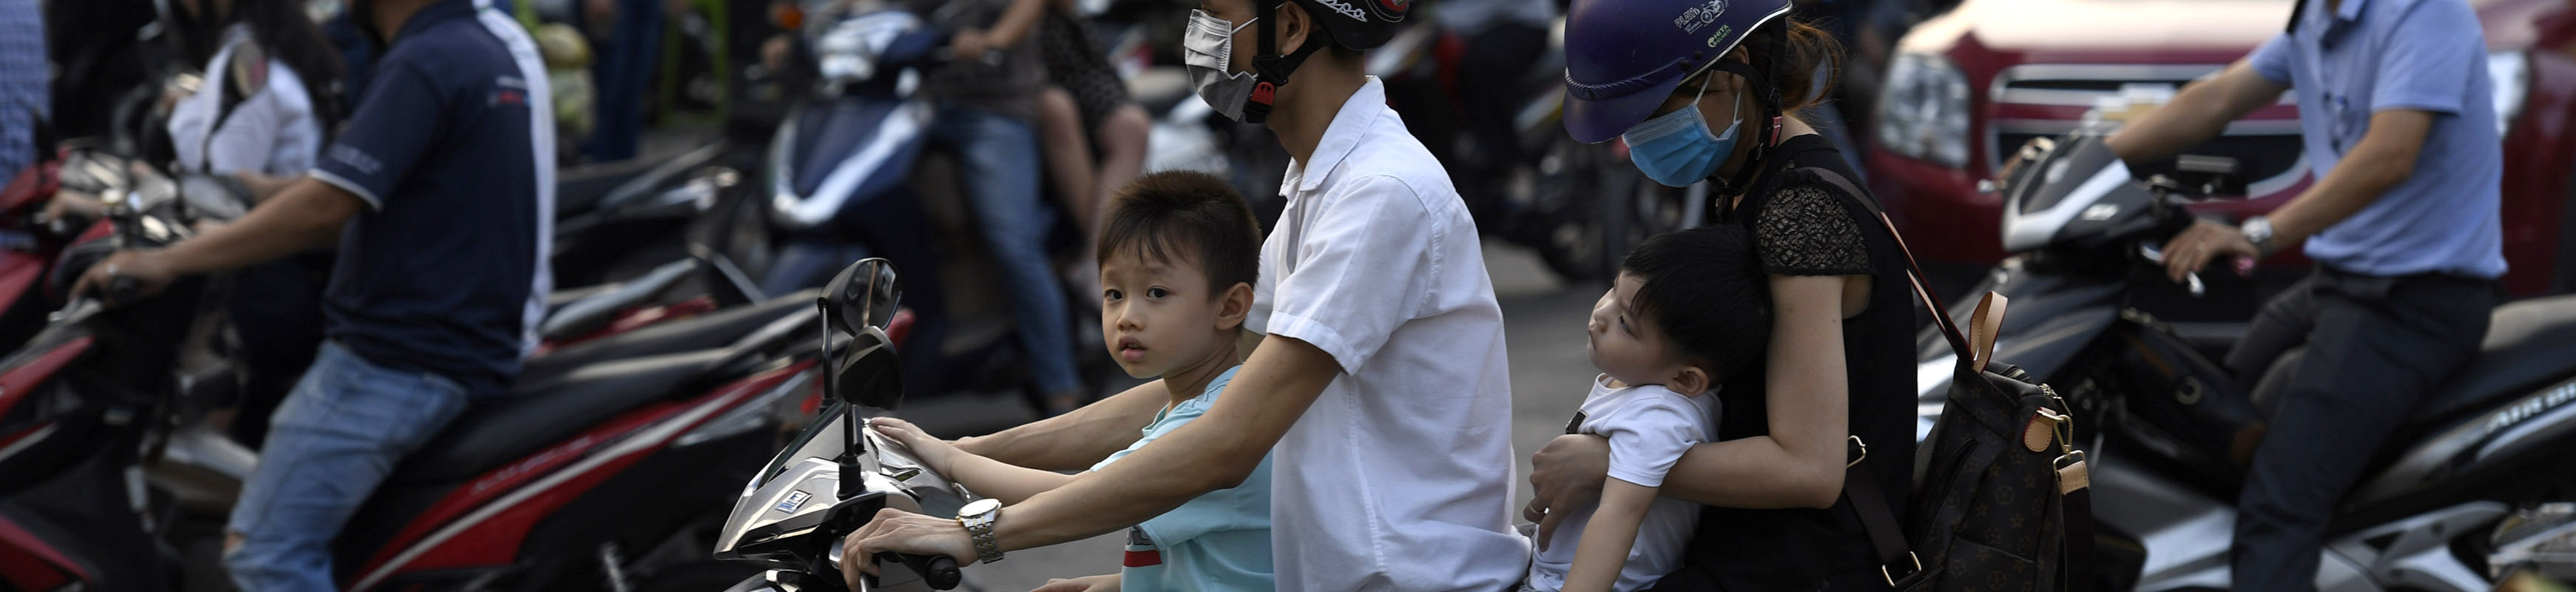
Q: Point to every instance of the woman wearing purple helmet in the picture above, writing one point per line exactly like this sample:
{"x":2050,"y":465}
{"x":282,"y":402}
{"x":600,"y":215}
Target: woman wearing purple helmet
{"x":1711,"y":90}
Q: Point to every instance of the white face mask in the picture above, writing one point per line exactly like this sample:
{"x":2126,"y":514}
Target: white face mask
{"x":1207,"y":52}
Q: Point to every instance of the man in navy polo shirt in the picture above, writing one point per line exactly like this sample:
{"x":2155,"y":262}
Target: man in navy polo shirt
{"x":440,"y":192}
{"x":2394,"y":105}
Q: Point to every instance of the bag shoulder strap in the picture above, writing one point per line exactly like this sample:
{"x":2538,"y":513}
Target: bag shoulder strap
{"x":1897,"y":562}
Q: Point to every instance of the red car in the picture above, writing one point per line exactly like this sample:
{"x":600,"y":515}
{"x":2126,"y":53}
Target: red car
{"x":1973,"y":84}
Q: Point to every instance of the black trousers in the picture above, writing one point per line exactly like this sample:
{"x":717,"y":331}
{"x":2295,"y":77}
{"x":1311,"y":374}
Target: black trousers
{"x":2377,"y":347}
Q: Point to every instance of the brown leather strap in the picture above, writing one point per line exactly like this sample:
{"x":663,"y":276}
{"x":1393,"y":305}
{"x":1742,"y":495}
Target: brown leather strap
{"x":1923,"y":291}
{"x":1983,"y":326}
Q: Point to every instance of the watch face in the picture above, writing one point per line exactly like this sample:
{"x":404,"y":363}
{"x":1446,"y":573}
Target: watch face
{"x":980,"y":507}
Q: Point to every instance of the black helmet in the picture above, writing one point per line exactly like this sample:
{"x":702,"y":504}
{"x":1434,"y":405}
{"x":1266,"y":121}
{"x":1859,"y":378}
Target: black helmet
{"x":1357,"y":24}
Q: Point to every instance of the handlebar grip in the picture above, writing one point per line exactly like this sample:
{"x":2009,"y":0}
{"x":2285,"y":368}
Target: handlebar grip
{"x":122,"y":289}
{"x":939,"y":571}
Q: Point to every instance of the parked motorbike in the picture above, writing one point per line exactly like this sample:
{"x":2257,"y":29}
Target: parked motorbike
{"x":852,"y":172}
{"x":2476,"y":488}
{"x":794,"y":514}
{"x":593,"y":475}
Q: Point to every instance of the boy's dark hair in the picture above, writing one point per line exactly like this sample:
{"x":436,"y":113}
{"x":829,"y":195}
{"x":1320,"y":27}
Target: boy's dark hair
{"x":1704,"y":289}
{"x":1163,"y":215}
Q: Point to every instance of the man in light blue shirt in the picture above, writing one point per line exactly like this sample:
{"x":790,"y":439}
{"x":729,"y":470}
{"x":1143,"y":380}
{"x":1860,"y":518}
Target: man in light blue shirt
{"x":2403,"y":222}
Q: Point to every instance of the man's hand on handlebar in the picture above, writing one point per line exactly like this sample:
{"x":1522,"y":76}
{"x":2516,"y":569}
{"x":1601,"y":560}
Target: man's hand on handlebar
{"x":2206,"y":241}
{"x":899,"y":531}
{"x":126,"y":275}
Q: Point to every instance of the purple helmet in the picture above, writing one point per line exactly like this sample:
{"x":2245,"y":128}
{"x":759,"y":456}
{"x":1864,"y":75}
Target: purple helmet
{"x":1623,"y":57}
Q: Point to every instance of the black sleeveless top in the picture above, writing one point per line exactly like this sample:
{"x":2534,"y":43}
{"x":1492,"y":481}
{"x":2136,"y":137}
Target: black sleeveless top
{"x":1805,"y":225}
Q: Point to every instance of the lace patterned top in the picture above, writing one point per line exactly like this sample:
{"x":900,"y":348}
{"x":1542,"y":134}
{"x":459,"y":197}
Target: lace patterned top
{"x":1805,"y":229}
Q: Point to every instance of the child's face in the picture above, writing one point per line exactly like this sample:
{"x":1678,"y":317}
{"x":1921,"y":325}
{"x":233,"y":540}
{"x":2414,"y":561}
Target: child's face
{"x":1160,"y":316}
{"x":1626,"y":346}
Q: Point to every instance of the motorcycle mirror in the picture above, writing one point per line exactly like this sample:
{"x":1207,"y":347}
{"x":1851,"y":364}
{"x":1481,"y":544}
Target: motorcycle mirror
{"x":864,"y":295}
{"x":868,"y":373}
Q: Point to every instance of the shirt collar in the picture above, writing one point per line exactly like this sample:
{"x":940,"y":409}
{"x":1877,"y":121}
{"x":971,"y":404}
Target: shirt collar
{"x":1356,"y":120}
{"x":432,"y":14}
{"x":2350,"y":10}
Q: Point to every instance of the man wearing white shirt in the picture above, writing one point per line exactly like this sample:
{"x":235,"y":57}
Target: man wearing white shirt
{"x":1382,"y":379}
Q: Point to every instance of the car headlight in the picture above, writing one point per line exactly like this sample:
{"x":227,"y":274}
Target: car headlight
{"x":2511,"y":72}
{"x":1923,"y":111}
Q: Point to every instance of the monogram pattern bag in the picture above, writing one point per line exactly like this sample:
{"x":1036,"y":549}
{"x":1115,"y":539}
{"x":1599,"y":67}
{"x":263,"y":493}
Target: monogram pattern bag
{"x":2001,"y":496}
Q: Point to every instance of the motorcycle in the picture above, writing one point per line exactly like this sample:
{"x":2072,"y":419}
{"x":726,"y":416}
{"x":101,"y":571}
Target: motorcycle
{"x":592,"y":475}
{"x":2473,"y":490}
{"x":793,"y":515}
{"x":852,"y":172}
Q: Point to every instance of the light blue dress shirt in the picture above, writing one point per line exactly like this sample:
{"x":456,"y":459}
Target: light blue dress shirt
{"x":2366,"y":56}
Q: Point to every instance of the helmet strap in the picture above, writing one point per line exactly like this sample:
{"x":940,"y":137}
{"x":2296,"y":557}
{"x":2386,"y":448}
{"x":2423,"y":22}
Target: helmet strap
{"x":1270,"y":69}
{"x":1766,"y":100}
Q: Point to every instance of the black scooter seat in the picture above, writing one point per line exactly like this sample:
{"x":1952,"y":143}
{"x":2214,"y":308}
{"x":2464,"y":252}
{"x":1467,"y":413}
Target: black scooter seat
{"x":498,"y":430}
{"x":2531,"y":344}
{"x":711,"y":330}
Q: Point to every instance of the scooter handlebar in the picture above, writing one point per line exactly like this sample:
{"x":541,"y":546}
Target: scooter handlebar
{"x":939,"y":571}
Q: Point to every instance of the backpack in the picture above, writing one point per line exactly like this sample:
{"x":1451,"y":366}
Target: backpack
{"x":2002,"y":499}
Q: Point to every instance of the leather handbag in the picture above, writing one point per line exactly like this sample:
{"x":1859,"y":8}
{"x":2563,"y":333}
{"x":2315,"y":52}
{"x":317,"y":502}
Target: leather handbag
{"x":2001,"y":498}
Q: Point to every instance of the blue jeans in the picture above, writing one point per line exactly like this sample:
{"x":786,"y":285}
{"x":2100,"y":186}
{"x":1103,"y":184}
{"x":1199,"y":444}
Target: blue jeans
{"x":332,"y":441}
{"x":998,"y":154}
{"x":625,"y":76}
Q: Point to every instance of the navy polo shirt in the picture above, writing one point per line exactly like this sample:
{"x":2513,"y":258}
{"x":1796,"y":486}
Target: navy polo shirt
{"x":452,"y":150}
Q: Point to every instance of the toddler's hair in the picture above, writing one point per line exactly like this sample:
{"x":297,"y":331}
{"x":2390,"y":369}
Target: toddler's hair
{"x":1705,"y":290}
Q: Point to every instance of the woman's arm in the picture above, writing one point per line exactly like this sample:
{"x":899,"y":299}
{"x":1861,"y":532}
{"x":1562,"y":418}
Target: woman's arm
{"x":1799,"y":465}
{"x":1608,"y":537}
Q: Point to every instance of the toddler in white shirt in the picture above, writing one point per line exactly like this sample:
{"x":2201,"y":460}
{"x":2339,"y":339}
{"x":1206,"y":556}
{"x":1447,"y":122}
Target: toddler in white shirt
{"x":1690,"y":311}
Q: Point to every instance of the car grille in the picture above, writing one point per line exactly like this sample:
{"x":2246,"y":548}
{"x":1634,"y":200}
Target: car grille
{"x":2046,"y":100}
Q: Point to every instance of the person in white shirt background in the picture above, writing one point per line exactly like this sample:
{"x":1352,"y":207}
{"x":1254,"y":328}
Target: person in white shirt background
{"x":260,"y":116}
{"x":1382,"y":380}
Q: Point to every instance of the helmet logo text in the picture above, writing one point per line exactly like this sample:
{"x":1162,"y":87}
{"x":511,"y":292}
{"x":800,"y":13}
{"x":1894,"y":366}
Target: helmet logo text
{"x":1700,"y":16}
{"x":1345,"y":8}
{"x":1720,"y":35}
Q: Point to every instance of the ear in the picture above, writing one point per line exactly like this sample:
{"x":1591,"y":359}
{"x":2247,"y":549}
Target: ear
{"x":1295,"y":25}
{"x":1691,"y":380}
{"x":1236,"y":306}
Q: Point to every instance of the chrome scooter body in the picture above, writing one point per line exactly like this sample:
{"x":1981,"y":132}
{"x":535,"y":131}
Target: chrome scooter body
{"x":838,"y":473}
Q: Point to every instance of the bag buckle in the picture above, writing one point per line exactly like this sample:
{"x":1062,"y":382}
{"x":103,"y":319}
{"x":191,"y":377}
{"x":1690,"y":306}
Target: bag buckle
{"x":1859,"y":452}
{"x":1892,"y":578}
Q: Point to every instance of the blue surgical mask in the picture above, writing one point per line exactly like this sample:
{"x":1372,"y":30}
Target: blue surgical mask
{"x":1675,"y":148}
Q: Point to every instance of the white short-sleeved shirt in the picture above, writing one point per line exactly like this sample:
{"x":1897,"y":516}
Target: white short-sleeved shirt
{"x":1649,"y":428}
{"x":273,"y":131}
{"x":1398,"y":477}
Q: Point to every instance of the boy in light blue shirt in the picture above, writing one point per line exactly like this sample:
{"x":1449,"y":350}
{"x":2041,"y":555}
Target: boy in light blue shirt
{"x":1179,"y":254}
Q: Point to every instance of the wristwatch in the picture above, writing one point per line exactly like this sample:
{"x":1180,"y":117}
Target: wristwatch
{"x":2258,"y":230}
{"x":978,"y":517}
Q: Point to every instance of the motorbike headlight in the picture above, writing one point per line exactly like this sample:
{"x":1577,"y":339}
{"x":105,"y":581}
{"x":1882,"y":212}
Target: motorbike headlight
{"x":2511,"y":72}
{"x":1923,"y":110}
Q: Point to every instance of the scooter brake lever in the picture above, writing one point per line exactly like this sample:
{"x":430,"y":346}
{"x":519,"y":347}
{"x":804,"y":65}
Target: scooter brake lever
{"x":2191,"y":280}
